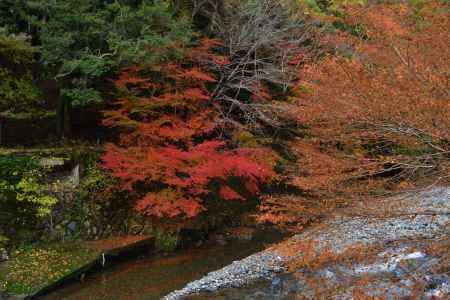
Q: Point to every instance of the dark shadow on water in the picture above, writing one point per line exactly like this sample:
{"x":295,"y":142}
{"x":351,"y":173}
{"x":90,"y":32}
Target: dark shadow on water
{"x":153,"y":276}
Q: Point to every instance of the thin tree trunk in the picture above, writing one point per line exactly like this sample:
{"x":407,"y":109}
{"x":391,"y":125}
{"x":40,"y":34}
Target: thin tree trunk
{"x":67,"y":122}
{"x":60,"y":117}
{"x":63,"y":118}
{"x":1,"y":131}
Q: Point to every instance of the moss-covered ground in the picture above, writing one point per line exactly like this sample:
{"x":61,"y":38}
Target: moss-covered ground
{"x":30,"y":268}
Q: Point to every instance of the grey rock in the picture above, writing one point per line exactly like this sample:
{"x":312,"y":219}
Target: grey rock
{"x":72,"y":226}
{"x":75,"y":176}
{"x":52,"y":161}
{"x":277,"y":285}
{"x":438,"y":280}
{"x":3,"y":255}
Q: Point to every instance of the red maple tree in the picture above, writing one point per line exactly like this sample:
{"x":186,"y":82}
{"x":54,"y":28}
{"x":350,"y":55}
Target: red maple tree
{"x":169,"y":151}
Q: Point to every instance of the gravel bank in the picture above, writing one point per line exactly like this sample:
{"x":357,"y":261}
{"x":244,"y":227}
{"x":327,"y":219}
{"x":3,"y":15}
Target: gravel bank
{"x":424,"y":215}
{"x":257,"y":266}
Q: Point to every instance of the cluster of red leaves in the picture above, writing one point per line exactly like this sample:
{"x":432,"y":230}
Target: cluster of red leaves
{"x":185,"y":175}
{"x":167,"y":120}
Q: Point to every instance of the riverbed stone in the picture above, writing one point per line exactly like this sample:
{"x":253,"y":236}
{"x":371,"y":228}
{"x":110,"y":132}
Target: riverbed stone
{"x":72,"y":226}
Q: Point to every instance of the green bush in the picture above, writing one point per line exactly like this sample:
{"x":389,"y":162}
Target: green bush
{"x":165,"y":241}
{"x":3,"y":241}
{"x":24,"y":200}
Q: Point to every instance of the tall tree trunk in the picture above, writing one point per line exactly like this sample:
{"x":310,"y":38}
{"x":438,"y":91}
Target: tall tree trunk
{"x":60,"y":117}
{"x":1,"y":131}
{"x":63,"y":118}
{"x":67,"y":123}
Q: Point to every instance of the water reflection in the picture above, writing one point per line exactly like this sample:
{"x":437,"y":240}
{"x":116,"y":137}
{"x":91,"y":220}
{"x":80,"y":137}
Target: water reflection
{"x":151,"y":277}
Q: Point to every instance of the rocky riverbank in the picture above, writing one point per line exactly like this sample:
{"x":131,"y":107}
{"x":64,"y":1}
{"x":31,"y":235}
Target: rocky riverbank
{"x":407,"y":238}
{"x":260,"y":265}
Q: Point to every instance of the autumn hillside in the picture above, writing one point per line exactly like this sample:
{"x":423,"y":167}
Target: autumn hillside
{"x":375,"y":107}
{"x":195,"y":122}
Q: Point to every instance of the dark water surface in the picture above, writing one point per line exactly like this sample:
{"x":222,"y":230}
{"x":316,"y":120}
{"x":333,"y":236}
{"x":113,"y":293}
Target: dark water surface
{"x":153,"y":276}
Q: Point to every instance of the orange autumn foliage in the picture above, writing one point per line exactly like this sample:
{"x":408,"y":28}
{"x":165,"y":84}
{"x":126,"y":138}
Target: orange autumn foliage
{"x":375,"y":107}
{"x":383,"y":100}
{"x":169,"y":152}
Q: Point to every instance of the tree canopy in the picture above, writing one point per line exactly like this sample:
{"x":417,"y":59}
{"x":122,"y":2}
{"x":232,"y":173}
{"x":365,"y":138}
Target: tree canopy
{"x":18,"y":92}
{"x":82,"y":42}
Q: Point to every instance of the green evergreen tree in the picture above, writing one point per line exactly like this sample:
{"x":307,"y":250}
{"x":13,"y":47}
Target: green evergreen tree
{"x":18,"y":92}
{"x":83,"y":42}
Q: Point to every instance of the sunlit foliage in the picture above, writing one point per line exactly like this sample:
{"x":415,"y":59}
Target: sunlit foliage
{"x":375,"y":108}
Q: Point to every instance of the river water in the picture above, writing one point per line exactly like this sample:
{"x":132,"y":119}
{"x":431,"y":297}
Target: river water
{"x":152,"y":276}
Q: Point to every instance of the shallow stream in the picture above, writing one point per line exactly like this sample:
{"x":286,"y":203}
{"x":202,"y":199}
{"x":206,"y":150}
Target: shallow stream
{"x":153,"y":276}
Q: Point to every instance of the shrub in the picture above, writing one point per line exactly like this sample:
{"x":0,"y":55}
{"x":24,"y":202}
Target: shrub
{"x":24,"y":200}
